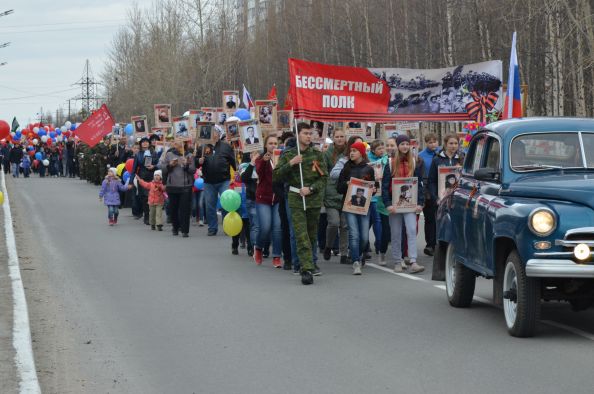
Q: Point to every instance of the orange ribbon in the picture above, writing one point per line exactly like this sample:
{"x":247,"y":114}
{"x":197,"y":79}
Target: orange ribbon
{"x":316,"y":167}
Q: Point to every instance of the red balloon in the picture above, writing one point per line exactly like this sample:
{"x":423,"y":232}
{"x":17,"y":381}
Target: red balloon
{"x":4,"y":129}
{"x":31,"y":153}
{"x":129,"y":165}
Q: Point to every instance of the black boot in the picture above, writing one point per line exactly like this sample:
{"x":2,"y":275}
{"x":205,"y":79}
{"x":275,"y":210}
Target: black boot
{"x":307,"y":278}
{"x":153,"y":227}
{"x":327,"y":253}
{"x":160,"y":228}
{"x":234,"y":250}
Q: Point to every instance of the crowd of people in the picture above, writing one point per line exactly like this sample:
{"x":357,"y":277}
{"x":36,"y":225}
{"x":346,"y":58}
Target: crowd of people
{"x":292,"y":207}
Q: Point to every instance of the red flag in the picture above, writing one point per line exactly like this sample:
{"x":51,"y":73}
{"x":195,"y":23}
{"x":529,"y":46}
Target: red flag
{"x":272,"y":93}
{"x":288,"y":102}
{"x":99,"y":124}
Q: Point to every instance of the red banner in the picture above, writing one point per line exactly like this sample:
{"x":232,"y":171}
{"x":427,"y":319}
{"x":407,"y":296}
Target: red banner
{"x":342,"y":93}
{"x":99,"y":124}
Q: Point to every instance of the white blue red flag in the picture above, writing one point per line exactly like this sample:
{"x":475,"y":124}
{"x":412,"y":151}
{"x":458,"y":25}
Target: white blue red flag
{"x":247,"y":99}
{"x":513,"y":100}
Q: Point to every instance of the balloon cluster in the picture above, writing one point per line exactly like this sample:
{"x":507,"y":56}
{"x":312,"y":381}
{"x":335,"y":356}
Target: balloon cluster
{"x":231,"y":201}
{"x":35,"y":133}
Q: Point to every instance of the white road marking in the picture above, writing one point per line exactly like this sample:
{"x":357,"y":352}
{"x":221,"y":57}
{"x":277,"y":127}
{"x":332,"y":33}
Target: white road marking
{"x":482,"y":300}
{"x":21,"y":332}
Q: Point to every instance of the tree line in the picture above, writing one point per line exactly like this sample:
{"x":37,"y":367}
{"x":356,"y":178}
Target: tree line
{"x":185,"y":52}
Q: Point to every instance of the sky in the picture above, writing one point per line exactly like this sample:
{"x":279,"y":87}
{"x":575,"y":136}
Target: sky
{"x":50,"y":40}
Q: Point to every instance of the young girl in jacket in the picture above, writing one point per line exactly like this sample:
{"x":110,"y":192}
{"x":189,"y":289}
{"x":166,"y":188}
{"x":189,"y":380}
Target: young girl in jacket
{"x":403,"y":165}
{"x":110,"y":193}
{"x":377,"y":211}
{"x":267,"y":204}
{"x":358,"y":225}
{"x":156,"y":199}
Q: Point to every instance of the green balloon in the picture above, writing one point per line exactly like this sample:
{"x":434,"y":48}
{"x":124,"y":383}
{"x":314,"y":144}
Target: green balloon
{"x":230,"y":200}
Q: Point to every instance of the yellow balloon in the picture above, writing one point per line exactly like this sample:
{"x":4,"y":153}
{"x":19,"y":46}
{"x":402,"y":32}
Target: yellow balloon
{"x":120,"y":168}
{"x":232,"y":224}
{"x":1,"y":198}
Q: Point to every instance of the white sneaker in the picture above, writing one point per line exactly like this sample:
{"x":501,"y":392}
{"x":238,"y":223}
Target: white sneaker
{"x":382,"y":260}
{"x":201,"y":223}
{"x":400,"y":267}
{"x":356,"y":268}
{"x":415,"y":268}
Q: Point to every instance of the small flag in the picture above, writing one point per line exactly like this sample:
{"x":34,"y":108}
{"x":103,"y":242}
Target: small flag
{"x":272,"y":93}
{"x":247,"y":99}
{"x":288,"y":102}
{"x":15,"y":125}
{"x":513,"y":102}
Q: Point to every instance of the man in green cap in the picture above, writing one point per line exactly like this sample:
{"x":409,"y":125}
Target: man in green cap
{"x":305,"y":219}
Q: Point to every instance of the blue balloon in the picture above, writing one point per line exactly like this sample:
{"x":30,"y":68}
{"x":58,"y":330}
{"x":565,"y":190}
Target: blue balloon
{"x":17,"y":135}
{"x":38,"y":156}
{"x":129,"y":129}
{"x":58,"y":131}
{"x":199,"y":183}
{"x":52,"y":134}
{"x":41,"y":132}
{"x":73,"y":127}
{"x":243,"y":114}
{"x":126,"y":176}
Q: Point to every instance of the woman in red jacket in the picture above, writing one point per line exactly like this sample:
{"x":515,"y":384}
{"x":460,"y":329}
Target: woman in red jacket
{"x":267,"y":203}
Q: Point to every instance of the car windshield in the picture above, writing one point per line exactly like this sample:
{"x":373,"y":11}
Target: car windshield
{"x":544,"y":151}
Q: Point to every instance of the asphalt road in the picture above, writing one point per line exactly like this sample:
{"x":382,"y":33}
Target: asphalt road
{"x":130,"y":310}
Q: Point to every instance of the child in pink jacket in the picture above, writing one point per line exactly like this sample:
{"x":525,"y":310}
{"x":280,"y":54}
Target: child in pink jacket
{"x":156,"y":199}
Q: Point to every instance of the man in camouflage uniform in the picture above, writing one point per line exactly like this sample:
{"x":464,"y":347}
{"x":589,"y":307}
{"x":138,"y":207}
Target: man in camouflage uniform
{"x":305,"y":222}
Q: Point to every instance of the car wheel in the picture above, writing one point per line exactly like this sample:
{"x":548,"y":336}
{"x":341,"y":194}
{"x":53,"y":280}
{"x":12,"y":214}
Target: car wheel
{"x":521,"y":298}
{"x":459,"y":280}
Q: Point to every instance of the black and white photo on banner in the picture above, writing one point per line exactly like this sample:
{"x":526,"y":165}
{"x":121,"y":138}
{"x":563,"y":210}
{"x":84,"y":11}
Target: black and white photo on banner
{"x":162,"y":115}
{"x":404,"y":194}
{"x":358,"y":196}
{"x":251,"y":137}
{"x":230,"y":100}
{"x":140,"y":124}
{"x":180,"y":127}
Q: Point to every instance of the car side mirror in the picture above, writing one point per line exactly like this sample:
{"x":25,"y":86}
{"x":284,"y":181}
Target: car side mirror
{"x":487,"y":174}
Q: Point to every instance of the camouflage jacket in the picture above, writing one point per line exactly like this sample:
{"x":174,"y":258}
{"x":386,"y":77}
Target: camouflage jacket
{"x":315,"y":174}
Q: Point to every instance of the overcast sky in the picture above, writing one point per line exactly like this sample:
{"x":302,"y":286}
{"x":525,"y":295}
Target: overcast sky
{"x":49,"y":43}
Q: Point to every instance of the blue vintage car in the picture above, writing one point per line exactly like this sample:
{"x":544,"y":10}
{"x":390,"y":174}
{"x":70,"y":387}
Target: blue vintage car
{"x":522,"y":215}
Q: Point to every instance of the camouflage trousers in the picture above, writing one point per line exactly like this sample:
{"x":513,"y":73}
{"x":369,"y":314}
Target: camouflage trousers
{"x":305,"y":226}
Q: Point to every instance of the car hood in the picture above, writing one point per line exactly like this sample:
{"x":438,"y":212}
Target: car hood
{"x":577,"y":188}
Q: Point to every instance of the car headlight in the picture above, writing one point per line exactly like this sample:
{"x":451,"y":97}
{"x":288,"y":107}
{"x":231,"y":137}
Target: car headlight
{"x":542,"y":222}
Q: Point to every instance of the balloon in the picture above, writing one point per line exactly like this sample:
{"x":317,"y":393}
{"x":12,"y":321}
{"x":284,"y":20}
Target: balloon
{"x":232,"y":224}
{"x":45,"y":162}
{"x":36,"y":130}
{"x":243,"y":114}
{"x":1,"y":198}
{"x":58,"y":132}
{"x":120,"y":168}
{"x":35,"y":163}
{"x":230,"y":200}
{"x":44,"y":138}
{"x":126,"y":176}
{"x":41,"y":133}
{"x":31,"y":153}
{"x":129,"y":165}
{"x":4,"y":129}
{"x":18,"y":135}
{"x":129,"y":129}
{"x":63,"y":129}
{"x":59,"y":138}
{"x":52,"y":134}
{"x":73,"y":127}
{"x":46,"y":128}
{"x":35,"y":141}
{"x":199,"y":183}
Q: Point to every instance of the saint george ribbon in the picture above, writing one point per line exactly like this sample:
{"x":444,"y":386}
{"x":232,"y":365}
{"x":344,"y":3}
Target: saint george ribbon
{"x":481,"y":105}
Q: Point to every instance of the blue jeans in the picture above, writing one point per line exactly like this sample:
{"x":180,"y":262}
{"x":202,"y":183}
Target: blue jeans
{"x":198,"y":205}
{"x":112,"y":212}
{"x":15,"y":169}
{"x":375,"y":221}
{"x":250,"y":206}
{"x":270,"y":224}
{"x":212,"y":191}
{"x":358,"y":234}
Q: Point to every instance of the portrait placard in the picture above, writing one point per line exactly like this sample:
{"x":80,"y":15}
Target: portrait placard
{"x":251,"y":139}
{"x":369,"y":132}
{"x":389,"y":130}
{"x":204,"y":133}
{"x":180,"y":127}
{"x":117,"y":131}
{"x":266,"y":112}
{"x":378,"y":171}
{"x":404,"y":194}
{"x":160,"y":131}
{"x":319,"y":131}
{"x":221,"y":116}
{"x":209,"y":114}
{"x":140,"y":124}
{"x":447,"y":180}
{"x":285,"y":120}
{"x":162,"y":115}
{"x":195,"y":116}
{"x":230,"y":100}
{"x":232,"y":131}
{"x":358,"y":196}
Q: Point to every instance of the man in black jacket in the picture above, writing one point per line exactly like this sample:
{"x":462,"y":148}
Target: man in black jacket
{"x":216,"y":171}
{"x":16,"y":154}
{"x":145,"y":163}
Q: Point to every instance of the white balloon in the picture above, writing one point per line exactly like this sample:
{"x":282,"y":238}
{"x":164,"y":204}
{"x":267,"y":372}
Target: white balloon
{"x":45,"y":162}
{"x":68,"y":124}
{"x":44,"y":138}
{"x":35,"y":141}
{"x":63,"y":129}
{"x":12,"y":134}
{"x":36,"y":130}
{"x":59,"y":138}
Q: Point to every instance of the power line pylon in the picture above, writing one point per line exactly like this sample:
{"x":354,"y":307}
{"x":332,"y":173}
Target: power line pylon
{"x":88,"y":94}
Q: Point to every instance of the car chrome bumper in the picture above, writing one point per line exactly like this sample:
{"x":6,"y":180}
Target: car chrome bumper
{"x":544,"y":268}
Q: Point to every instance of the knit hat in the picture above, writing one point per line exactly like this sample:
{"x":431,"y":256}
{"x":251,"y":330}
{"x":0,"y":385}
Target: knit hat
{"x":113,"y":171}
{"x":221,"y":131}
{"x":360,"y":146}
{"x":159,"y":173}
{"x":402,"y":138}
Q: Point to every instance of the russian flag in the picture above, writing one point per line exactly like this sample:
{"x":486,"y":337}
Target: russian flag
{"x":513,"y":102}
{"x":247,"y":99}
